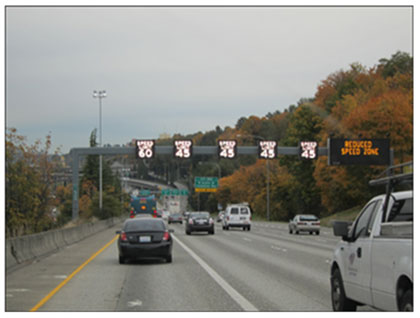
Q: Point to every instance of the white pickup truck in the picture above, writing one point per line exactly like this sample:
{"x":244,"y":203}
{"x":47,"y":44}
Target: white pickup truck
{"x":373,"y":263}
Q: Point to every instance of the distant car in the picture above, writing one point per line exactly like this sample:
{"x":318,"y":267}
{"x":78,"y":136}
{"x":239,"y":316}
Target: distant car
{"x":237,"y":215}
{"x":220,"y":216}
{"x":304,"y":223}
{"x":144,"y":237}
{"x":199,"y":222}
{"x":186,"y":214}
{"x":175,"y":218}
{"x":165,"y":214}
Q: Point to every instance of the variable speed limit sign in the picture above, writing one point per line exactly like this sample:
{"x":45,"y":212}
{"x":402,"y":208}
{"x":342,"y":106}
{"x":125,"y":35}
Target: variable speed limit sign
{"x":145,"y":149}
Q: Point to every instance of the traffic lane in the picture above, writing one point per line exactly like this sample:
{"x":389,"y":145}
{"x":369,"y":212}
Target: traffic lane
{"x":268,"y":280}
{"x":28,"y":285}
{"x":182,"y":285}
{"x":298,"y":251}
{"x":275,"y":235}
{"x":326,"y":234}
{"x":142,"y":285}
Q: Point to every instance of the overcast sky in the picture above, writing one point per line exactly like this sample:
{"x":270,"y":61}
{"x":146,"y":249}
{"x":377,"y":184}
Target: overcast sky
{"x":179,"y":69}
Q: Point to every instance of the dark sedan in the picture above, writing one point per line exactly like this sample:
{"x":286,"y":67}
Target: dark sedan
{"x":199,"y":222}
{"x":175,"y":218}
{"x":144,"y":238}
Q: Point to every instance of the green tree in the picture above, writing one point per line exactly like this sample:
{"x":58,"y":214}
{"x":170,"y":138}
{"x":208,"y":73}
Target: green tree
{"x":303,"y":196}
{"x":110,"y":184}
{"x":400,"y":62}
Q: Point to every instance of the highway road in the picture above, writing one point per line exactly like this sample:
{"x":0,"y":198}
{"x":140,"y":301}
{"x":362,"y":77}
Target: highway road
{"x":266,"y":269}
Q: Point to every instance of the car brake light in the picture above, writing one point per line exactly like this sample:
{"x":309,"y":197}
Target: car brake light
{"x":123,"y":237}
{"x":190,"y":221}
{"x":227,"y":218}
{"x":166,"y":236}
{"x":131,"y":215}
{"x":211,"y":221}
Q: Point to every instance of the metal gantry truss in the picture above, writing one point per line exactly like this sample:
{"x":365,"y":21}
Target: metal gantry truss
{"x":76,"y":153}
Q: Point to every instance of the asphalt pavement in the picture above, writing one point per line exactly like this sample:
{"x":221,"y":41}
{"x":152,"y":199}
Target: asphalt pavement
{"x":265,"y":269}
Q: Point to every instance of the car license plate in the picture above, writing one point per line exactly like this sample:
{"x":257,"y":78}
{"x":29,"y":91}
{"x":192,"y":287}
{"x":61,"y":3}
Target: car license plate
{"x":145,"y":239}
{"x":243,"y":218}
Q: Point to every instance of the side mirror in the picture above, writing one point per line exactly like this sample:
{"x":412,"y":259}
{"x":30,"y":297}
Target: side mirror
{"x":117,"y":232}
{"x":171,"y":231}
{"x":341,"y":228}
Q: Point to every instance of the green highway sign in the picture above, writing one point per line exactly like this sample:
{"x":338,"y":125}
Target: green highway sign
{"x":206,"y":184}
{"x":174,"y":192}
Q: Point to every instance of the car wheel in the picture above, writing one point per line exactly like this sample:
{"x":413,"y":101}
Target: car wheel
{"x":338,"y":296}
{"x":244,"y":228}
{"x":188,"y":232}
{"x":297,"y":232}
{"x":169,"y":259}
{"x":317,"y":232}
{"x":407,"y":301}
{"x":310,"y":232}
{"x":121,"y":259}
{"x":211,"y":232}
{"x":290,"y":231}
{"x":227,"y":228}
{"x":249,"y":228}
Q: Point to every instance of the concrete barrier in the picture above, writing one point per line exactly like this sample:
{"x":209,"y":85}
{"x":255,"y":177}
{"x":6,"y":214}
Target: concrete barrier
{"x":30,"y":247}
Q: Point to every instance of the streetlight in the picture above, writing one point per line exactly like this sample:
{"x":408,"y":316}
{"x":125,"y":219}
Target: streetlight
{"x":100,"y":95}
{"x":267,"y":178}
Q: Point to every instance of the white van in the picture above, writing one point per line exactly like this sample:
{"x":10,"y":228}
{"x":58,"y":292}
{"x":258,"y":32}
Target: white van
{"x":237,"y":215}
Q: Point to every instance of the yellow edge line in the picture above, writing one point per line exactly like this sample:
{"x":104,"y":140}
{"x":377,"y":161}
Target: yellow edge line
{"x":64,"y":282}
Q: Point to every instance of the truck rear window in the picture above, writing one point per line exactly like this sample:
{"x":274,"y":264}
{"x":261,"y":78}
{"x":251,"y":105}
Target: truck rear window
{"x":401,"y":211}
{"x":244,"y":211}
{"x":234,"y":211}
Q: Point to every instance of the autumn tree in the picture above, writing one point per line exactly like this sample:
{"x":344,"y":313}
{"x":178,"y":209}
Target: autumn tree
{"x":29,"y":185}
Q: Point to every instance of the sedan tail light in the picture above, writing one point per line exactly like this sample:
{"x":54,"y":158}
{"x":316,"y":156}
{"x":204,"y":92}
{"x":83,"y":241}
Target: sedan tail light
{"x":166,"y":236}
{"x":190,"y":221}
{"x":123,"y":237}
{"x":211,"y":221}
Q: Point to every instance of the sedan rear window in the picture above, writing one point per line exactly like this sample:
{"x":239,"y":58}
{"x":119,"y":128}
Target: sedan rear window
{"x":200,"y":215}
{"x":308,"y":218}
{"x":144,"y":225}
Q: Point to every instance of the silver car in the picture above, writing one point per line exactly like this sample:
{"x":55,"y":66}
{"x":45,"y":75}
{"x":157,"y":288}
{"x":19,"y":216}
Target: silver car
{"x":304,"y":223}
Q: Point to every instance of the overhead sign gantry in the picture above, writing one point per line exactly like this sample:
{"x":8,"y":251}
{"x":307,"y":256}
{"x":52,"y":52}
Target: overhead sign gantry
{"x":340,"y":151}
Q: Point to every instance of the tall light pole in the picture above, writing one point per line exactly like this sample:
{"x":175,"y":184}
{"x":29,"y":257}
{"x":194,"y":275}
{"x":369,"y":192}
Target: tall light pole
{"x":100,"y":95}
{"x":267,"y":177}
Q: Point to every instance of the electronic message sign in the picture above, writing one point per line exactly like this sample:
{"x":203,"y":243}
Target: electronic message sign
{"x":227,"y":149}
{"x":267,"y":149}
{"x":182,"y":148}
{"x":308,"y":149}
{"x":358,"y":152}
{"x":145,"y":149}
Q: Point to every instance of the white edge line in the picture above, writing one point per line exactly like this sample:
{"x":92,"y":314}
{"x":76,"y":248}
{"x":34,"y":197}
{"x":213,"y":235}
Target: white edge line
{"x":241,"y":300}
